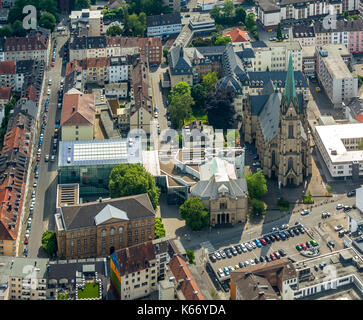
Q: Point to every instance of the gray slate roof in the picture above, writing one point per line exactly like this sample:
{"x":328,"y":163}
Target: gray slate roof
{"x":84,"y":215}
{"x":163,"y":19}
{"x":179,"y":62}
{"x":110,"y":212}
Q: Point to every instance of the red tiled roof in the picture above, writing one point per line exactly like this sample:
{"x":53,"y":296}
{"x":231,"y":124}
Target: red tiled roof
{"x":73,"y":65}
{"x":135,"y":258}
{"x":188,"y":287}
{"x":31,"y":93}
{"x":96,"y":62}
{"x":5,"y":93}
{"x":78,"y":109}
{"x":359,"y":117}
{"x":15,"y":138}
{"x":237,"y":35}
{"x":28,"y":43}
{"x":7,"y":67}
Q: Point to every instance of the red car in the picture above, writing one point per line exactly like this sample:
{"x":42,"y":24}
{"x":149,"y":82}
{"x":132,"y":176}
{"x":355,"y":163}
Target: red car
{"x":38,"y":157}
{"x":52,"y":64}
{"x":263,"y":241}
{"x":303,"y":245}
{"x":26,"y":240}
{"x":272,"y":256}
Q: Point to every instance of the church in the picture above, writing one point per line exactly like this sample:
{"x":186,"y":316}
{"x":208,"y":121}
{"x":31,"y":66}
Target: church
{"x":277,"y":123}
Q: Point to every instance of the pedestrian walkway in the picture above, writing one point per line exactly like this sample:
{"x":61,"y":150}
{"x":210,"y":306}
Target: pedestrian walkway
{"x":208,"y":245}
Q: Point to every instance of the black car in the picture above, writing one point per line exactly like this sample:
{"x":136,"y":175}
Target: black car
{"x":291,"y":232}
{"x":268,"y":259}
{"x":308,"y":244}
{"x":267,"y":239}
{"x":287,"y":234}
{"x":239,"y":250}
{"x":257,"y":261}
{"x":296,"y":231}
{"x":228,"y":253}
{"x":282,"y":253}
{"x":262,"y":259}
{"x":241,"y":264}
{"x":347,"y":208}
{"x":272,"y":237}
{"x":212,"y":258}
{"x":301,"y":229}
{"x":277,"y":237}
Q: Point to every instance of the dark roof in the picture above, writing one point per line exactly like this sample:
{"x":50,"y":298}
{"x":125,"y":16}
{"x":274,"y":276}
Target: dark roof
{"x":163,"y":19}
{"x":79,"y":216}
{"x":268,"y":6}
{"x":179,"y":62}
{"x":232,"y":64}
{"x":278,"y":77}
{"x":68,"y":270}
{"x":303,"y":31}
{"x":214,"y":50}
{"x":257,"y":103}
{"x":246,"y":53}
{"x":79,"y":43}
{"x":134,"y":258}
{"x":258,"y":44}
{"x":341,"y":25}
{"x":229,"y":82}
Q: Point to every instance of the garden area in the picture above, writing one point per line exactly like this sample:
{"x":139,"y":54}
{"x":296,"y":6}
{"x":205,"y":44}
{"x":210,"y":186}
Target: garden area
{"x":63,"y":296}
{"x":91,"y":290}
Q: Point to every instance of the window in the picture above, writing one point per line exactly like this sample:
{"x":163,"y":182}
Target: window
{"x":120,"y":230}
{"x":223,"y":205}
{"x":104,"y":233}
{"x":112,"y":231}
{"x":291,"y":132}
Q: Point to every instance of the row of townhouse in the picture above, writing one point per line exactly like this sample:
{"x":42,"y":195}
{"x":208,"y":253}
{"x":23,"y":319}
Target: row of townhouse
{"x":100,"y":47}
{"x":349,"y":33}
{"x":270,"y":14}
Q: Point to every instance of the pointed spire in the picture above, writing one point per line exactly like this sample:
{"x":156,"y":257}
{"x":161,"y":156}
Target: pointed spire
{"x":290,"y":95}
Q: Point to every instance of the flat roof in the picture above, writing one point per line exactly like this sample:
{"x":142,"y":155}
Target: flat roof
{"x":331,"y":137}
{"x":308,"y":51}
{"x":67,"y":194}
{"x":341,"y":268}
{"x":93,"y":152}
{"x":334,"y":62}
{"x":355,"y":215}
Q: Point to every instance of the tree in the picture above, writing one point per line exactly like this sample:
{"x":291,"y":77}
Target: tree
{"x":250,"y":20}
{"x":49,"y":242}
{"x":18,"y":29}
{"x":180,"y":88}
{"x":216,"y":12}
{"x":256,"y":185}
{"x":346,"y":14}
{"x":49,"y":6}
{"x":114,"y":31}
{"x":199,"y":96}
{"x":241,"y":15}
{"x":82,"y":4}
{"x":220,"y":108}
{"x":166,"y":54}
{"x":360,"y":145}
{"x":6,"y":31}
{"x":209,"y":81}
{"x":279,"y":32}
{"x":191,"y":256}
{"x":222,"y":41}
{"x":228,"y":10}
{"x":133,"y":179}
{"x":194,"y":213}
{"x":258,"y":207}
{"x":135,"y":24}
{"x":48,"y":21}
{"x":180,"y":109}
{"x":159,"y":228}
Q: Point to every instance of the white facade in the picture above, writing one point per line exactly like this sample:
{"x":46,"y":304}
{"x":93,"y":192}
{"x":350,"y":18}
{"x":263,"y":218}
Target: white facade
{"x":338,"y":146}
{"x":118,"y":73}
{"x":93,"y":18}
{"x":164,"y":30}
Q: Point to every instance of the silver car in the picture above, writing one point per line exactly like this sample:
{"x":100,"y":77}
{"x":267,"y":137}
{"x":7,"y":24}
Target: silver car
{"x":253,"y":245}
{"x":244,"y":249}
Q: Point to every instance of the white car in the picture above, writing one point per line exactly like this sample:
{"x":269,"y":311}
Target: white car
{"x":35,"y":184}
{"x":244,"y":249}
{"x":252,"y":263}
{"x":220,"y":272}
{"x":50,"y":82}
{"x":253,"y":244}
{"x":305,"y":212}
{"x":339,"y":206}
{"x":247,"y":263}
{"x":338,"y":228}
{"x":156,"y":114}
{"x":27,"y":233}
{"x":248,"y":246}
{"x":48,"y":92}
{"x":218,"y":256}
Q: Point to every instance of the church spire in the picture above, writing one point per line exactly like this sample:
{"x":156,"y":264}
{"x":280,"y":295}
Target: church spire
{"x":290,"y":95}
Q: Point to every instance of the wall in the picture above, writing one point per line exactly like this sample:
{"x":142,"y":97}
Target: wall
{"x":84,"y":133}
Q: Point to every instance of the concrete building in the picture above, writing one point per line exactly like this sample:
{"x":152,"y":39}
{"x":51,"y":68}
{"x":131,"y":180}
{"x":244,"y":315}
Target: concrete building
{"x":27,"y":278}
{"x":304,"y":34}
{"x":116,"y":90}
{"x":97,"y":229}
{"x":136,"y":270}
{"x":331,"y":67}
{"x":78,"y":114}
{"x":118,"y":70}
{"x":222,"y":191}
{"x":92,"y":20}
{"x":174,"y":5}
{"x":268,"y":13}
{"x":309,"y":61}
{"x":257,"y":282}
{"x":338,"y":146}
{"x":163,"y":25}
{"x":5,"y":95}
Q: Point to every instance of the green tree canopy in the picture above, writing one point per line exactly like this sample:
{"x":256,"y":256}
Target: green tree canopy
{"x":18,"y":29}
{"x":258,"y":207}
{"x":209,"y":81}
{"x":191,"y":256}
{"x":199,"y":96}
{"x":223,"y":41}
{"x":48,"y":21}
{"x":180,"y":109}
{"x":159,"y":228}
{"x":6,"y":31}
{"x":194,"y":213}
{"x":49,"y":242}
{"x":133,"y":179}
{"x":250,"y":20}
{"x":360,"y":145}
{"x":256,"y":185}
{"x":180,"y":88}
{"x":279,"y":32}
{"x":114,"y":31}
{"x":82,"y":4}
{"x":241,"y":15}
{"x":228,"y":9}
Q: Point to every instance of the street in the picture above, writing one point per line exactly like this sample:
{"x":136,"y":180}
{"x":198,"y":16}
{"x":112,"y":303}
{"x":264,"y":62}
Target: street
{"x":46,"y":190}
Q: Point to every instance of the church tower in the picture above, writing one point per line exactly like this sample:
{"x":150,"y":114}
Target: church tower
{"x":294,"y":150}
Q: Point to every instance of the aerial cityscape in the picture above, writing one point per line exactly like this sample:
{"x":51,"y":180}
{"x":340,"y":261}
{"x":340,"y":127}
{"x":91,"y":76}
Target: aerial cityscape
{"x":181,"y":150}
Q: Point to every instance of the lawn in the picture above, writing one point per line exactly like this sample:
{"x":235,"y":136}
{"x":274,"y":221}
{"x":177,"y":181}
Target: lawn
{"x":63,"y":296}
{"x":197,"y":115}
{"x":91,"y":290}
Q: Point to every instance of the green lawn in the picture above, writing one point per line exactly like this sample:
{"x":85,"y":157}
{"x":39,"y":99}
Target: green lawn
{"x":91,"y":290}
{"x":63,"y":296}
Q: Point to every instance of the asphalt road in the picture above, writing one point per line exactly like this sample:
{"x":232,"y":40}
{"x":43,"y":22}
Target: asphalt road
{"x":46,"y":190}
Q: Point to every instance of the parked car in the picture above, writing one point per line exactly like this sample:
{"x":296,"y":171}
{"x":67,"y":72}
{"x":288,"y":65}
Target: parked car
{"x":244,"y":249}
{"x":291,"y":232}
{"x":247,"y":263}
{"x":303,"y":246}
{"x":228,"y":253}
{"x":268,"y":259}
{"x":25,"y":252}
{"x":46,"y":158}
{"x":284,"y":226}
{"x":212,"y":258}
{"x":241,"y":264}
{"x":226,"y":271}
{"x":257,"y":261}
{"x":230,"y":268}
{"x":277,"y":255}
{"x":301,"y":230}
{"x":338,"y":227}
{"x":258,"y":243}
{"x":262,"y":259}
{"x":308,"y":244}
{"x":52,"y":158}
{"x":263,"y":241}
{"x":339,"y":206}
{"x":277,"y":237}
{"x":220,"y":272}
{"x":305,"y":212}
{"x":331,"y":244}
{"x":282,"y":235}
{"x":296,"y":231}
{"x":217,"y":255}
{"x":347,"y":208}
{"x":272,"y":256}
{"x":314,"y":243}
{"x":351,"y":193}
{"x":238,"y":248}
{"x":253,"y":245}
{"x":234,"y":251}
{"x":298,"y":247}
{"x":282,"y":252}
{"x":26,"y":241}
{"x":325,"y":215}
{"x":252,"y":262}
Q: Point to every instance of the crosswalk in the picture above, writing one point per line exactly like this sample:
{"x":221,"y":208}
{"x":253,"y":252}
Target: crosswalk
{"x":207,"y":245}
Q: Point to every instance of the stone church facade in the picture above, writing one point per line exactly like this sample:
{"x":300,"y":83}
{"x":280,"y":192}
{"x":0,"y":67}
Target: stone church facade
{"x":277,"y":124}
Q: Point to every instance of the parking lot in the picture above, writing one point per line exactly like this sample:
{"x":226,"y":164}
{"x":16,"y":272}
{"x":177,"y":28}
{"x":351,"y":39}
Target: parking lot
{"x":288,"y":245}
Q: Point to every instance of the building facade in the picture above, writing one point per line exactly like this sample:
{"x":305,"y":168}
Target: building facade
{"x":163,"y":25}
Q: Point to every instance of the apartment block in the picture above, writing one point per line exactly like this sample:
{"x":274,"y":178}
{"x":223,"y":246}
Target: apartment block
{"x":163,"y":25}
{"x":331,"y":66}
{"x":91,"y":20}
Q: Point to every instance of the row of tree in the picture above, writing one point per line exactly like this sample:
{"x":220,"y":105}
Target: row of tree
{"x":257,"y":188}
